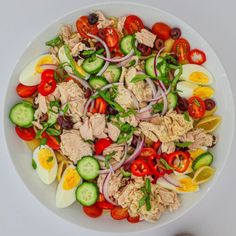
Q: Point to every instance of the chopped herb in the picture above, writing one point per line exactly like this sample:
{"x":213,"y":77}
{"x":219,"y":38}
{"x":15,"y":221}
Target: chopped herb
{"x":164,"y":162}
{"x":176,"y":79}
{"x":186,"y":116}
{"x":54,"y":103}
{"x":184,"y":144}
{"x":127,"y":132}
{"x":53,"y":132}
{"x":100,"y":51}
{"x":127,"y":113}
{"x":56,"y":76}
{"x":89,"y":141}
{"x":197,"y":102}
{"x":39,"y":132}
{"x":148,"y":203}
{"x":148,"y":186}
{"x":108,"y":158}
{"x":139,"y":77}
{"x":142,"y":201}
{"x":34,"y":165}
{"x":43,"y":141}
{"x":87,"y":52}
{"x":54,"y":42}
{"x":65,"y":109}
{"x":50,"y":159}
{"x":157,"y":108}
{"x":132,"y":63}
{"x":126,"y":174}
{"x":146,"y":197}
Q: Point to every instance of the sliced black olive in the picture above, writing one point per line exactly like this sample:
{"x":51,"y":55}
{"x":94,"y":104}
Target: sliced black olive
{"x":65,"y":122}
{"x":159,"y":44}
{"x":92,"y":18}
{"x":175,"y":33}
{"x":182,"y":104}
{"x":145,"y":50}
{"x":210,"y":104}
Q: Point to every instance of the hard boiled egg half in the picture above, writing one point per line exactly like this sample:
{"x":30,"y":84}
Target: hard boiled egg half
{"x":196,"y":74}
{"x":65,"y":195}
{"x":31,"y":75}
{"x":46,"y":163}
{"x":178,"y":183}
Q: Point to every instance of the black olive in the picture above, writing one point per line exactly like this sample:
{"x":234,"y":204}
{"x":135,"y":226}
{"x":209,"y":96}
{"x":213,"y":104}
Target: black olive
{"x":101,"y":34}
{"x":76,"y":58}
{"x":182,"y":104}
{"x":43,"y":118}
{"x":111,"y":110}
{"x":134,"y":141}
{"x":92,"y":18}
{"x":65,"y":122}
{"x":159,"y":44}
{"x":175,"y":33}
{"x":98,"y":46}
{"x":85,"y":42}
{"x":145,"y":50}
{"x":210,"y":104}
{"x":87,"y":93}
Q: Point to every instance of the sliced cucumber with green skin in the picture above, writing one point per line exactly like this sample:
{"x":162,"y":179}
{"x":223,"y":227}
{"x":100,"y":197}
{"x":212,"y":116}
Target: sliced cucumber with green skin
{"x":93,"y":65}
{"x":87,"y":193}
{"x":204,"y":159}
{"x":88,"y":168}
{"x":22,"y":114}
{"x":149,"y":66}
{"x":97,"y":82}
{"x":172,"y":100}
{"x":115,"y":72}
{"x":126,"y":44}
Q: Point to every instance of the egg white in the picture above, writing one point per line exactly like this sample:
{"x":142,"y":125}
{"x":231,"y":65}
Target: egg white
{"x":185,"y":89}
{"x":47,"y":176}
{"x":65,"y":198}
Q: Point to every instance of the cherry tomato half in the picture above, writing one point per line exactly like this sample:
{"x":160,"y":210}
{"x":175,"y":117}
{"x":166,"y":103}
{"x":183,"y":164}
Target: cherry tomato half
{"x":196,"y":108}
{"x":111,"y":37}
{"x":103,"y":204}
{"x":52,"y":141}
{"x":135,"y":219}
{"x":196,"y":56}
{"x":119,"y":213}
{"x":26,"y":134}
{"x":100,"y":106}
{"x":101,"y":144}
{"x":133,"y":24}
{"x":25,"y":91}
{"x":162,"y":30}
{"x":92,"y":211}
{"x":181,"y":48}
{"x":83,"y":27}
{"x":48,"y":83}
{"x":139,"y":168}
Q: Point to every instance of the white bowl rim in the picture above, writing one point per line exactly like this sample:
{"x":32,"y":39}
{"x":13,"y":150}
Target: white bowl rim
{"x":90,"y":6}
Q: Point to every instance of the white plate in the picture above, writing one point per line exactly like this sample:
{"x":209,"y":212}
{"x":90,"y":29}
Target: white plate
{"x":21,"y":156}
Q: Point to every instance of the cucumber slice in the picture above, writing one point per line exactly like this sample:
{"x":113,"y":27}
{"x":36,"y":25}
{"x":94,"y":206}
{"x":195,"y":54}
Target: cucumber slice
{"x":126,"y":44}
{"x":149,"y":66}
{"x":97,"y":82}
{"x":88,"y":168}
{"x":87,"y":194}
{"x":93,"y":65}
{"x":204,"y":159}
{"x":172,"y":100}
{"x":115,"y":73}
{"x":22,"y":114}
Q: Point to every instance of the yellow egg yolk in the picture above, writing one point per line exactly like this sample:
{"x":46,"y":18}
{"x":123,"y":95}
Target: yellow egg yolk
{"x":187,"y":185}
{"x":199,"y":77}
{"x":203,"y":92}
{"x":46,"y":159}
{"x":44,"y":60}
{"x":71,"y":179}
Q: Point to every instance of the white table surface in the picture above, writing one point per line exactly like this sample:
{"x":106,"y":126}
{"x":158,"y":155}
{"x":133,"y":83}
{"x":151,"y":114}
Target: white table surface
{"x":20,"y":213}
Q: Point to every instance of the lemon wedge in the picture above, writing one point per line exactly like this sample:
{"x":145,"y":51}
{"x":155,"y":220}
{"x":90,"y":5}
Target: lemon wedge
{"x":33,"y":144}
{"x":203,"y":174}
{"x":211,"y":112}
{"x":209,"y":123}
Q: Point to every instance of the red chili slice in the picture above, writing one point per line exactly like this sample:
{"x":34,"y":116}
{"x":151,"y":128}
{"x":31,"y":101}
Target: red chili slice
{"x":196,"y":56}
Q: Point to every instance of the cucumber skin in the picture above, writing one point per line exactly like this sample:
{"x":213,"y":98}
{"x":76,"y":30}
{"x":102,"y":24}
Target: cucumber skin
{"x":94,"y":71}
{"x":27,"y":104}
{"x":99,"y":79}
{"x":122,"y":48}
{"x":112,"y":68}
{"x":172,"y":100}
{"x":88,"y":184}
{"x":200,"y":158}
{"x":84,"y":176}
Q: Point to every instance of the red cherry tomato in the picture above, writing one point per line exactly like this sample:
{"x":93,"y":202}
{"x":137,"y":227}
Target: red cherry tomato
{"x":92,"y":211}
{"x":103,"y":204}
{"x":111,"y":37}
{"x":26,"y":134}
{"x":181,"y":48}
{"x":25,"y":91}
{"x":139,"y":168}
{"x":197,"y":56}
{"x":100,"y":106}
{"x":52,"y":141}
{"x":162,"y":30}
{"x":135,"y":219}
{"x":116,"y":52}
{"x":133,"y":24}
{"x":101,"y":144}
{"x":48,"y":83}
{"x":119,"y":213}
{"x":83,"y":27}
{"x":196,"y":108}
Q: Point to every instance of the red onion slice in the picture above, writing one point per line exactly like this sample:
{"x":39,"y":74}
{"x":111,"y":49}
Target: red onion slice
{"x":172,"y":181}
{"x":152,"y":85}
{"x":83,"y":82}
{"x":107,"y":53}
{"x":136,"y":152}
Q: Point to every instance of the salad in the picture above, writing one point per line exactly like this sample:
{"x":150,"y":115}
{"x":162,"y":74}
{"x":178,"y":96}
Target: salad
{"x":121,"y":115}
